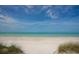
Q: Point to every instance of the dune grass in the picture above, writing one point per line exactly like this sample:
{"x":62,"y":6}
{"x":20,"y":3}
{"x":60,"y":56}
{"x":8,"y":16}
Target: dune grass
{"x":69,"y":48}
{"x":10,"y":49}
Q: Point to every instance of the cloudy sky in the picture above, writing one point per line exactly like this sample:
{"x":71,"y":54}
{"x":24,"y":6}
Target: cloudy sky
{"x":39,"y":18}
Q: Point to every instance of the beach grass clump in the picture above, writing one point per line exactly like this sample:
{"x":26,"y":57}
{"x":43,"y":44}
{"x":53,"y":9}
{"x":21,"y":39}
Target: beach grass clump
{"x":10,"y":49}
{"x":69,"y":48}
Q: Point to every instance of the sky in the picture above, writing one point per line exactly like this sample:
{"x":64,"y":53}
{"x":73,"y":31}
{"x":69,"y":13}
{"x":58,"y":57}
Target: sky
{"x":39,"y":18}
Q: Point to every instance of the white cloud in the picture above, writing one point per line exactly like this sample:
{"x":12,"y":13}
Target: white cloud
{"x":46,"y":7}
{"x":29,"y":6}
{"x":7,"y":21}
{"x":55,"y":12}
{"x":51,"y":14}
{"x":10,"y":22}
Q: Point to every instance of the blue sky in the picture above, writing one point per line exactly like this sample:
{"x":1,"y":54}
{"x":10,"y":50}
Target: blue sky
{"x":39,"y":18}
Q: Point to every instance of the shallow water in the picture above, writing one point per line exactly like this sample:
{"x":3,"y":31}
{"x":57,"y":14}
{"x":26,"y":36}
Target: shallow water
{"x":40,"y":34}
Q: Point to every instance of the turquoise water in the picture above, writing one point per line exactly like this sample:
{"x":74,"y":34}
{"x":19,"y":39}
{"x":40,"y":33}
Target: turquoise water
{"x":39,"y":34}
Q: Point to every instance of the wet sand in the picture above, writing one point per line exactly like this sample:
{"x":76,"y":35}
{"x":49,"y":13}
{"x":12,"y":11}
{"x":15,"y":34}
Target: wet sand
{"x":37,"y":45}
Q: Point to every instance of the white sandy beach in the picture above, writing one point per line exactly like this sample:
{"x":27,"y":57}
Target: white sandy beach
{"x":38,"y":45}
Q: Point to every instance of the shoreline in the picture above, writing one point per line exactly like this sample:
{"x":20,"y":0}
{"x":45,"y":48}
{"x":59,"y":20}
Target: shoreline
{"x":37,"y":36}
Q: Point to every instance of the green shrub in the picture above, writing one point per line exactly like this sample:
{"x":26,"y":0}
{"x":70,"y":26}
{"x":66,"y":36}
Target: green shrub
{"x":10,"y":49}
{"x":68,"y":48}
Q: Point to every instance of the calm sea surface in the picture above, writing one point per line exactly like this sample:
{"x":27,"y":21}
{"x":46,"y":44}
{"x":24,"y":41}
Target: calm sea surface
{"x":39,"y":34}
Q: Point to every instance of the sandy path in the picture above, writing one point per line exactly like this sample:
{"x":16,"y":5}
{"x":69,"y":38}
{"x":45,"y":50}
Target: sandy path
{"x":38,"y":44}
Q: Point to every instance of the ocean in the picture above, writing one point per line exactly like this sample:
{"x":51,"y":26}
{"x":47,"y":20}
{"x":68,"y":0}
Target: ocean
{"x":40,"y":34}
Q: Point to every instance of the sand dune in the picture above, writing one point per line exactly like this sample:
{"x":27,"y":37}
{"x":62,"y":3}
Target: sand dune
{"x":38,"y":44}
